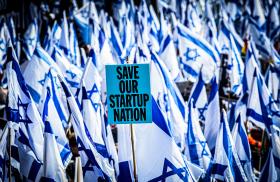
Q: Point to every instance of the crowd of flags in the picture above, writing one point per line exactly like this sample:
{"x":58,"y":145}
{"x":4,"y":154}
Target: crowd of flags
{"x":56,"y":85}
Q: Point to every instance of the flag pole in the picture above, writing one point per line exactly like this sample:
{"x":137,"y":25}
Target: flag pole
{"x":260,"y":160}
{"x":132,"y":145}
{"x":10,"y":154}
{"x":133,"y":153}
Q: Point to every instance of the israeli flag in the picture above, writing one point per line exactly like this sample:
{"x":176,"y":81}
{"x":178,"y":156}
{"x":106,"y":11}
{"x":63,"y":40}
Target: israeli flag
{"x":212,"y":116}
{"x":54,"y":38}
{"x":95,"y":166}
{"x":30,"y":39}
{"x":54,"y":169}
{"x":152,"y":163}
{"x":271,"y":169}
{"x":273,"y":82}
{"x":64,"y":43}
{"x":36,"y":70}
{"x":5,"y":41}
{"x":94,"y":114}
{"x":194,"y":17}
{"x":3,"y":154}
{"x":74,"y":49}
{"x":52,"y":101}
{"x":23,"y":113}
{"x":226,"y":164}
{"x":261,"y":107}
{"x":197,"y":150}
{"x":235,"y":65}
{"x":239,"y":135}
{"x":169,"y":99}
{"x":199,"y":96}
{"x":274,"y":21}
{"x":71,"y":72}
{"x":195,"y":53}
{"x":82,"y":18}
{"x":168,"y":55}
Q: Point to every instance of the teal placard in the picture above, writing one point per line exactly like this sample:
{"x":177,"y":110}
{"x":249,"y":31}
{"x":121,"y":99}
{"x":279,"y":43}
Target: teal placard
{"x":129,"y":94}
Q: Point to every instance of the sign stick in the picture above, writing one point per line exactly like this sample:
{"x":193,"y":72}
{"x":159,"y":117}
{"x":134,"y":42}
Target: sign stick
{"x":133,"y":153}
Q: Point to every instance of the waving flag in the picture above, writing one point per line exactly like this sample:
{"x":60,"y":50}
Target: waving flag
{"x":273,"y":82}
{"x":82,"y":18}
{"x":196,"y":53}
{"x":93,"y":112}
{"x":74,"y":49}
{"x":29,"y":126}
{"x":235,"y":65}
{"x":226,"y":164}
{"x":64,"y":40}
{"x":197,"y":150}
{"x":261,"y":107}
{"x":3,"y":149}
{"x":243,"y":150}
{"x":212,"y":116}
{"x":271,"y":169}
{"x":164,"y":164}
{"x":169,"y":56}
{"x":71,"y":72}
{"x":30,"y":39}
{"x":4,"y":43}
{"x":36,"y":70}
{"x":168,"y":98}
{"x":53,"y":102}
{"x":94,"y":165}
{"x":53,"y":164}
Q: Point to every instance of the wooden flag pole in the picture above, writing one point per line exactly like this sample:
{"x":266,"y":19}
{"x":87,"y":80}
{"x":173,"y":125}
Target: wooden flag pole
{"x":260,"y":160}
{"x":133,"y":153}
{"x":10,"y":154}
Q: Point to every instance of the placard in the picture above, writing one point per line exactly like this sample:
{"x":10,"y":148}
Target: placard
{"x":128,"y":94}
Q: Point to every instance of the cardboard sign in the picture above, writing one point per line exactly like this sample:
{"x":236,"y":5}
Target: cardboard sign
{"x":128,"y":94}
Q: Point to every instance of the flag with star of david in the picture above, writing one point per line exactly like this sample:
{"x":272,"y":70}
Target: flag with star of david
{"x":27,"y":123}
{"x":271,"y":169}
{"x":235,"y":65}
{"x":5,"y":41}
{"x":243,"y":150}
{"x":30,"y":39}
{"x":197,"y":150}
{"x":89,"y":97}
{"x":71,"y":72}
{"x":226,"y":164}
{"x":169,"y":99}
{"x":36,"y":71}
{"x":261,"y":107}
{"x":3,"y":154}
{"x":199,"y":96}
{"x":52,"y":101}
{"x":95,"y":166}
{"x":212,"y":115}
{"x":157,"y":156}
{"x":196,"y":54}
{"x":272,"y":80}
{"x":54,"y":163}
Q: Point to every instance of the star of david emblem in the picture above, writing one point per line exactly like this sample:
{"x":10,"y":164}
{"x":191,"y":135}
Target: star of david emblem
{"x":225,"y":48}
{"x":270,"y":109}
{"x":201,"y":112}
{"x":73,"y":75}
{"x":42,"y":82}
{"x":204,"y":152}
{"x":191,"y":54}
{"x":30,"y":41}
{"x":219,"y":169}
{"x":262,"y":39}
{"x":22,"y":111}
{"x":94,"y":101}
{"x":169,"y":170}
